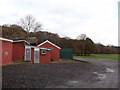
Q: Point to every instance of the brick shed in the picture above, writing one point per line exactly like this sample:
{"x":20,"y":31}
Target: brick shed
{"x":19,"y":49}
{"x":55,"y":50}
{"x":37,"y":54}
{"x":5,"y":51}
{"x":22,"y":50}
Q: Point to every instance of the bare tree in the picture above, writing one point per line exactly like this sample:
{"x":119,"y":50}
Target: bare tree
{"x":81,"y":37}
{"x":67,"y":38}
{"x":30,"y":24}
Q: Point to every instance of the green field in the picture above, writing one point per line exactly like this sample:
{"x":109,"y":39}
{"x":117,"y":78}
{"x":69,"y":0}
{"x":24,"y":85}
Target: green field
{"x":102,"y":56}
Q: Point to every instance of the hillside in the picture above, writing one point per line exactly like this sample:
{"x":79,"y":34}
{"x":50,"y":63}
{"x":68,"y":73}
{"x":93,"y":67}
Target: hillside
{"x":80,"y":47}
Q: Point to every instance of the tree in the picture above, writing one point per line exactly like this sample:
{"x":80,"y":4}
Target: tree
{"x":85,"y":45}
{"x":30,"y":24}
{"x":81,"y":37}
{"x":66,"y":43}
{"x":67,"y":38}
{"x":13,"y":31}
{"x":77,"y":47}
{"x":89,"y":47}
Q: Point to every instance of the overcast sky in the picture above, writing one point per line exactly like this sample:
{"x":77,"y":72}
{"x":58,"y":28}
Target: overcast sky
{"x":98,"y":19}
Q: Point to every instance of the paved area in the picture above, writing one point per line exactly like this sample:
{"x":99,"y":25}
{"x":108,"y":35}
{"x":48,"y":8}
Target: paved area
{"x":109,"y":78}
{"x":97,"y":73}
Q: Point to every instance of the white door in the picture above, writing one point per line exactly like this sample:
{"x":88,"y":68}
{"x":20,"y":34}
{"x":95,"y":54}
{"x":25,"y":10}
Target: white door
{"x":36,"y":55}
{"x":27,"y":53}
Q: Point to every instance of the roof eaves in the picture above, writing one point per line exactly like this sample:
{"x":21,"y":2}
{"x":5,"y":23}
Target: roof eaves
{"x":50,"y":43}
{"x":6,"y":39}
{"x":22,"y":41}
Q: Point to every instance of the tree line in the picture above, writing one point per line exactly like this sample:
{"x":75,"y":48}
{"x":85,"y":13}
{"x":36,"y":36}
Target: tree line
{"x":28,"y":26}
{"x":82,"y":45}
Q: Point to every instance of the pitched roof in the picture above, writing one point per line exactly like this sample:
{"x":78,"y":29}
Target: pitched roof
{"x":4,"y":39}
{"x":50,"y":43}
{"x":21,"y":41}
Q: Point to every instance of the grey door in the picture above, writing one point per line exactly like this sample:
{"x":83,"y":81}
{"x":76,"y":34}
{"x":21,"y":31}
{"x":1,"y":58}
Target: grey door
{"x":28,"y":54}
{"x":36,"y":55}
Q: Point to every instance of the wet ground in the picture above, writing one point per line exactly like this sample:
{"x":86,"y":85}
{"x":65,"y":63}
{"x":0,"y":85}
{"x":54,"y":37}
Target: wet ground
{"x":98,"y":73}
{"x":109,"y":76}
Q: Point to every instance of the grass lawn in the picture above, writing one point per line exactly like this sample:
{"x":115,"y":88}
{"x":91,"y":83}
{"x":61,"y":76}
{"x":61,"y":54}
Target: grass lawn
{"x":102,"y":56}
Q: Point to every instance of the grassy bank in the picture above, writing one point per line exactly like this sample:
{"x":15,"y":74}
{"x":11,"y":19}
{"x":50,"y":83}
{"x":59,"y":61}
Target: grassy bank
{"x":102,"y":56}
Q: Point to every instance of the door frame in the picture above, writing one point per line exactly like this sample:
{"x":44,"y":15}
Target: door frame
{"x":37,"y":49}
{"x":27,"y":47}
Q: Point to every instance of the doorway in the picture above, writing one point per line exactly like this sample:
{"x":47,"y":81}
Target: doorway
{"x":27,"y":53}
{"x":36,"y":55}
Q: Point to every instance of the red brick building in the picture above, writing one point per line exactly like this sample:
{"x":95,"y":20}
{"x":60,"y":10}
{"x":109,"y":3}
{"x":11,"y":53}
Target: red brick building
{"x":22,"y":50}
{"x":39,"y":54}
{"x":5,"y":51}
{"x":19,"y":49}
{"x":55,"y":50}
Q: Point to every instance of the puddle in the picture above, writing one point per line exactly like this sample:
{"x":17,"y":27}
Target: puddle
{"x":103,"y":76}
{"x":100,"y":76}
{"x":95,"y":73}
{"x":109,"y":70}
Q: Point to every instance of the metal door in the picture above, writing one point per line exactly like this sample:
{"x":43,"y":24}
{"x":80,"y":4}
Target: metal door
{"x":27,"y":53}
{"x":36,"y":55}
